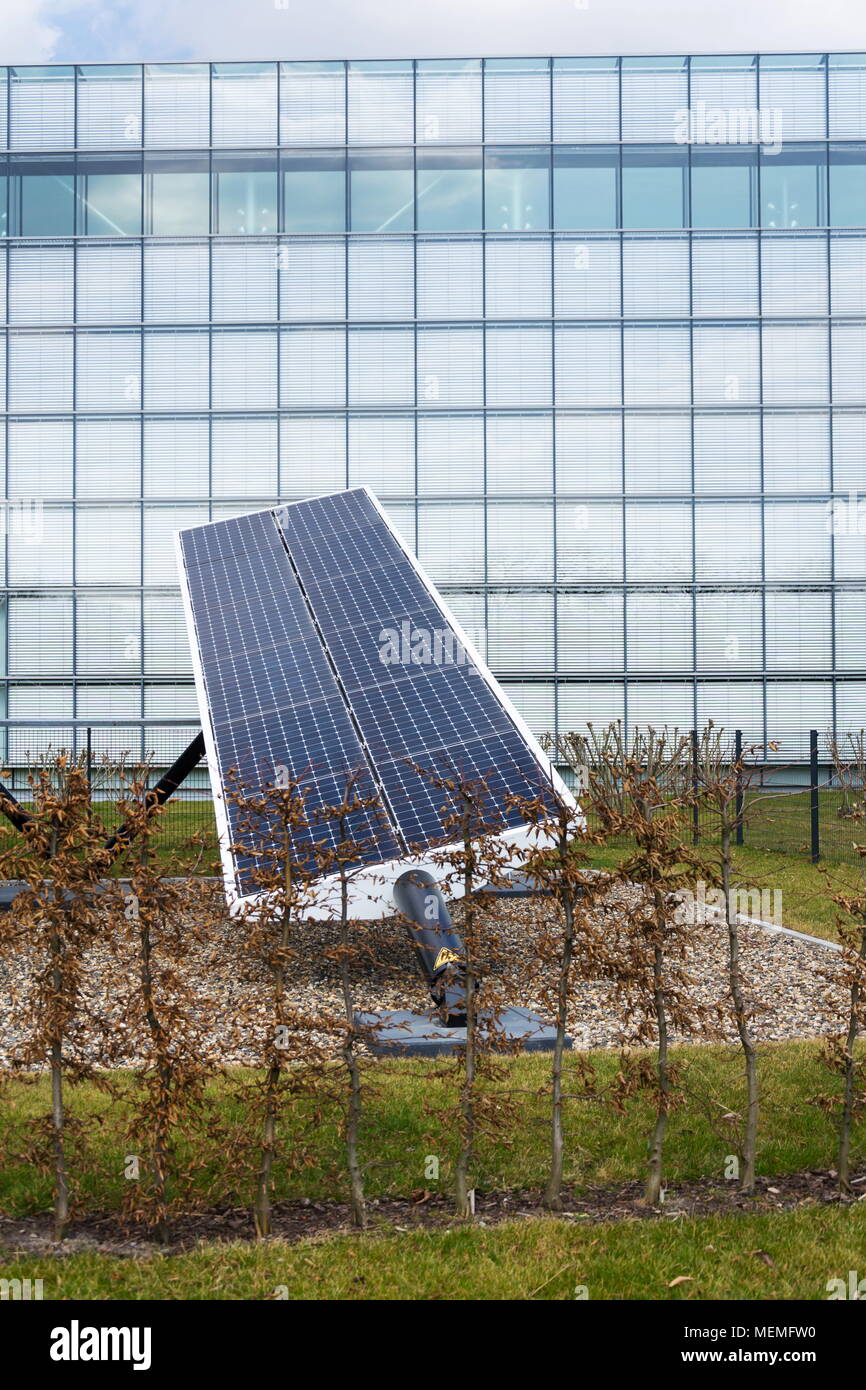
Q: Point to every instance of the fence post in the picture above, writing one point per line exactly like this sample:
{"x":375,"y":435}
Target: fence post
{"x":89,"y":756}
{"x":738,"y":758}
{"x":696,"y":820}
{"x":813,"y":795}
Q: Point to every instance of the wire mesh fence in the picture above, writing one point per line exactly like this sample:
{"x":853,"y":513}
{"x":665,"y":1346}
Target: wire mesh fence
{"x":796,"y":803}
{"x":794,"y":800}
{"x":112,"y":753}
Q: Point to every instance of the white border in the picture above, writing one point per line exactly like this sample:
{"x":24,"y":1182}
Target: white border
{"x":370,"y":897}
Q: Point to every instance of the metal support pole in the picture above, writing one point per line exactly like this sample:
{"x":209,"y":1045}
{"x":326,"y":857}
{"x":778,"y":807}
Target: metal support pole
{"x":12,"y":809}
{"x":89,"y":755}
{"x":738,"y":764}
{"x":165,"y":787}
{"x":813,"y":795}
{"x":696,"y":817}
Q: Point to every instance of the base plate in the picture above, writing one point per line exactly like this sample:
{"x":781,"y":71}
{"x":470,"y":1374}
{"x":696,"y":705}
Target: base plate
{"x":423,"y":1035}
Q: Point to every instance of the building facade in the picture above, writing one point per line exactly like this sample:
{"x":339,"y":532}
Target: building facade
{"x":594,"y":330}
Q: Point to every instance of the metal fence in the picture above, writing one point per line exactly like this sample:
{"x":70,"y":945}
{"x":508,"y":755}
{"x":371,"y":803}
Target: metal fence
{"x":794,"y":803}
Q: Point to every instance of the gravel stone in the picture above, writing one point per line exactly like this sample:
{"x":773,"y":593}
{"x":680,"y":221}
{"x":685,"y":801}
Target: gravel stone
{"x":793,"y":985}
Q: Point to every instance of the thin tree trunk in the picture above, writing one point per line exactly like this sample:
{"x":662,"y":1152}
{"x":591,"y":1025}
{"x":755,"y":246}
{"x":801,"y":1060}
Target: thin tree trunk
{"x":850,"y":1074}
{"x":467,"y":1094}
{"x":553,"y":1190}
{"x":467,"y":1109}
{"x":61,"y":1179}
{"x":350,"y":1058}
{"x":652,"y":1189}
{"x":58,"y":1114}
{"x":262,"y":1204}
{"x":262,"y":1201}
{"x":159,"y":1164}
{"x":741,"y":1016}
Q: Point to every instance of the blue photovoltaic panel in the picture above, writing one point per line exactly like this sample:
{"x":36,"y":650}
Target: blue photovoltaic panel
{"x":323,"y":650}
{"x":272,"y":696}
{"x":438,"y":711}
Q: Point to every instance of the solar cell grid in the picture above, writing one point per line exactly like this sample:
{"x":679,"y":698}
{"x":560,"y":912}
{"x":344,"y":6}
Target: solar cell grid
{"x":274,"y":703}
{"x":355,"y":601}
{"x":323,"y":651}
{"x":401,"y":647}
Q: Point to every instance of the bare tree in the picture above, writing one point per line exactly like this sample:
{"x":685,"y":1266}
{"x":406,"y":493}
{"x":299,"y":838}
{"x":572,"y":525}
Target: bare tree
{"x":651,"y":782}
{"x":355,"y":814}
{"x":725,"y":779}
{"x":472,"y":856}
{"x":56,"y":917}
{"x":157,"y":920}
{"x":849,"y":766}
{"x":559,"y":864}
{"x":274,"y":835}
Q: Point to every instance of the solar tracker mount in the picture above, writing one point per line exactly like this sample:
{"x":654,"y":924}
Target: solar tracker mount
{"x":321,"y":652}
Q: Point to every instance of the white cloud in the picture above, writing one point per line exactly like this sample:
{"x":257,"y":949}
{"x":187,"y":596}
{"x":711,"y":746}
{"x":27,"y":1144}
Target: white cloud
{"x":126,"y":30}
{"x":28,"y":34}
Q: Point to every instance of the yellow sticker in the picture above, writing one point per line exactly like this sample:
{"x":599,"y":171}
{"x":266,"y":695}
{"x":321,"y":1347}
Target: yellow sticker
{"x":444,"y":956}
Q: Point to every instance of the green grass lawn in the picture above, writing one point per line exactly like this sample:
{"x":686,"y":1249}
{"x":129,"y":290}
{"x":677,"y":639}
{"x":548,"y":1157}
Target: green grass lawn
{"x":409,"y":1116}
{"x":791,"y":1255}
{"x":185,"y":840}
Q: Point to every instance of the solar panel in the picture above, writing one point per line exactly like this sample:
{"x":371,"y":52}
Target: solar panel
{"x":321,"y":649}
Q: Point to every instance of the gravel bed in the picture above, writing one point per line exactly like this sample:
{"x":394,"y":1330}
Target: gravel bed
{"x":792,"y":984}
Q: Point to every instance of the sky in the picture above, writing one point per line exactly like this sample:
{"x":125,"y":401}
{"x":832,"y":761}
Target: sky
{"x":112,"y":31}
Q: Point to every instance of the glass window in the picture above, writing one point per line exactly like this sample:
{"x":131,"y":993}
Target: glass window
{"x":517,"y":190}
{"x":448,"y":100}
{"x":312,"y":104}
{"x":654,"y":192}
{"x":449,"y":191}
{"x":516,"y":99}
{"x":848,"y":185}
{"x":655,"y":93}
{"x":314,"y":191}
{"x":380,"y":103}
{"x":176,"y":194}
{"x":4,"y":204}
{"x":847,"y":95}
{"x":42,"y":197}
{"x":109,"y":107}
{"x":727,"y":83}
{"x":793,"y":187}
{"x":42,"y":109}
{"x":245,"y":193}
{"x":585,"y":188}
{"x":177,"y":105}
{"x":724,"y":188}
{"x":586,"y":278}
{"x":381,"y":194}
{"x":244,"y":104}
{"x":109,"y":195}
{"x":585,"y":99}
{"x":793,"y":94}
